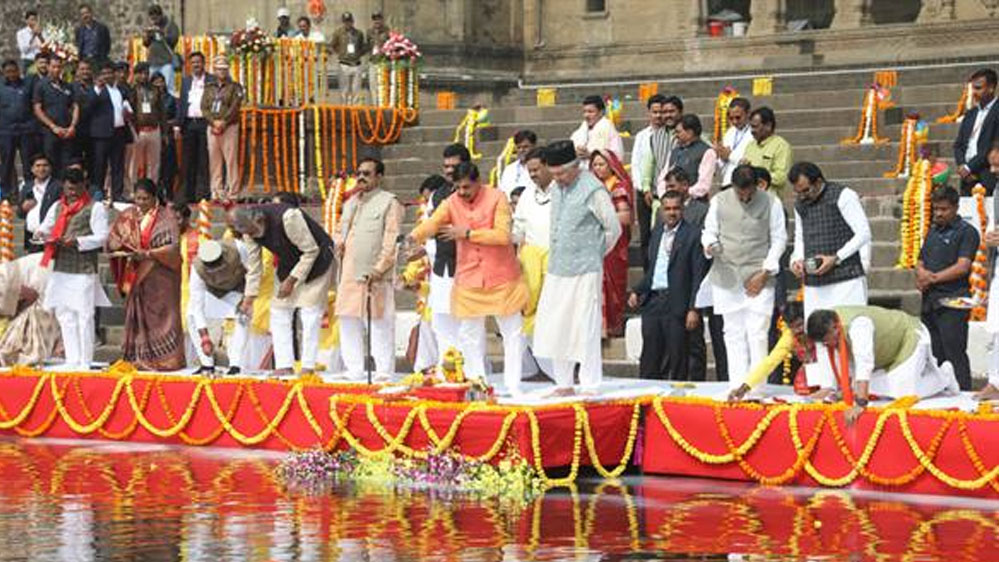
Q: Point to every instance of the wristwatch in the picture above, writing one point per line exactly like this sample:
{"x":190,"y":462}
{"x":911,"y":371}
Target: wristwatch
{"x":468,"y":234}
{"x":862,"y":402}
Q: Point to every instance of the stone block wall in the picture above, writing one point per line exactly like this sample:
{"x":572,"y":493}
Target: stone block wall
{"x":125,"y":18}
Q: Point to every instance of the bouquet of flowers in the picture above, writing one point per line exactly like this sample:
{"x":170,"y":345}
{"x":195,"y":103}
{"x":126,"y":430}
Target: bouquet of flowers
{"x":251,"y":40}
{"x":57,"y":42}
{"x":399,"y":47}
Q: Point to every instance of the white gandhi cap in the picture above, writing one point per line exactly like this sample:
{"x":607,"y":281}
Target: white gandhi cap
{"x":209,"y":251}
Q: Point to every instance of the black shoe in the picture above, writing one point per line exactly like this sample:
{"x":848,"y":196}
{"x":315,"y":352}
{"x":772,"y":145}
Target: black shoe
{"x":205,"y":370}
{"x":233,"y":371}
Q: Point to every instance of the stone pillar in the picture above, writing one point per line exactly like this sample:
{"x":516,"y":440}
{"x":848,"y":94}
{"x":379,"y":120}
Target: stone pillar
{"x":766,"y":17}
{"x":936,"y":11}
{"x":851,"y":14}
{"x":696,"y":17}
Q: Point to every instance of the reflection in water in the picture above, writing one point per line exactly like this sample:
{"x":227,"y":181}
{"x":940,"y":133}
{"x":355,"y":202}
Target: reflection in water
{"x":84,"y":502}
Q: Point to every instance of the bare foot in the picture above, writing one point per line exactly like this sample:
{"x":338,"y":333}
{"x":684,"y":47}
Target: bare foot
{"x":822,"y":394}
{"x":562,"y":392}
{"x":990,"y":392}
{"x":282,"y":373}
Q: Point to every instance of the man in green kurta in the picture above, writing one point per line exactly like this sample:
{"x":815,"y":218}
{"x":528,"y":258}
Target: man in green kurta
{"x":888,"y":351}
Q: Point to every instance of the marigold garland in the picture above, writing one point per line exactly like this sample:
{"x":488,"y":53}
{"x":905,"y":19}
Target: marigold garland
{"x":966,"y":102}
{"x":722,"y":103}
{"x":980,"y":268}
{"x":867,"y":128}
{"x":911,"y":138}
{"x":916,"y":214}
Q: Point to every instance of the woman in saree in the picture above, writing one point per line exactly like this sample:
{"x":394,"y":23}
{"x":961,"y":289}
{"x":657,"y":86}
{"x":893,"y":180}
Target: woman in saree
{"x":609,"y":169}
{"x":146,"y":262}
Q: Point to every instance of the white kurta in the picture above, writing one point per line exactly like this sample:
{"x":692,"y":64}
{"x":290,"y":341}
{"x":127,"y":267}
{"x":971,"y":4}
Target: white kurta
{"x":533,"y":218}
{"x":79,"y":292}
{"x":851,"y":291}
{"x":602,"y":136}
{"x":737,"y":140}
{"x":514,"y":176}
{"x":733,"y":300}
{"x":569,"y":311}
{"x":918,"y":375}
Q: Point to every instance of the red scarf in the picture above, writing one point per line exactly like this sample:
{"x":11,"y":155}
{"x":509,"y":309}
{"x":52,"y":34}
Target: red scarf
{"x":842,"y":370}
{"x":66,"y":212}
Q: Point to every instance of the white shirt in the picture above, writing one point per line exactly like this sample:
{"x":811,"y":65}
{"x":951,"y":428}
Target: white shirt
{"x":314,"y":35}
{"x":514,"y":176}
{"x":194,"y":96}
{"x":641,"y":151}
{"x":976,"y":131}
{"x":98,"y":226}
{"x":28,"y":44}
{"x":201,"y":303}
{"x":118,"y":102}
{"x":533,"y":217}
{"x":862,"y":347}
{"x":737,"y":140}
{"x":853,"y":213}
{"x":34,"y":218}
{"x":602,"y":136}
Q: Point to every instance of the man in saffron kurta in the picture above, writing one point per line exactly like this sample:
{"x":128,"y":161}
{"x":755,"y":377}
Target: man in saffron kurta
{"x":584,"y":228}
{"x":365,"y":242}
{"x":488,"y":280}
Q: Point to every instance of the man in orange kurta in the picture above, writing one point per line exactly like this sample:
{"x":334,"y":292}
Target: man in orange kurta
{"x":488,"y":280}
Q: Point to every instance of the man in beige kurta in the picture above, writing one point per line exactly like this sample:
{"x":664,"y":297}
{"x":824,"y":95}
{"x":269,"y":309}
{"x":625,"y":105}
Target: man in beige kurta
{"x":30,"y":333}
{"x":365,"y":246}
{"x":304,"y":254}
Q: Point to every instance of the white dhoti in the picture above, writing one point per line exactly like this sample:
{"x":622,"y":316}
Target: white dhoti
{"x":427,"y":353}
{"x":747,"y":325}
{"x":852,"y":292}
{"x":567,"y":329}
{"x":471,"y":343}
{"x":382,"y":341}
{"x":918,"y":375}
{"x":444,"y":325}
{"x":73,"y":298}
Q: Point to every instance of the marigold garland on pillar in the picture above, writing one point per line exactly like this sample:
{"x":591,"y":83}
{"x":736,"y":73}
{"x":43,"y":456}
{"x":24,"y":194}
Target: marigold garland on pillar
{"x":916,"y":215}
{"x":398,"y":76}
{"x":867,"y":128}
{"x":979,"y":268}
{"x":502,"y":161}
{"x":204,"y":220}
{"x":6,"y":232}
{"x":477,"y":117}
{"x":914,"y":134}
{"x":966,"y":102}
{"x":722,"y":102}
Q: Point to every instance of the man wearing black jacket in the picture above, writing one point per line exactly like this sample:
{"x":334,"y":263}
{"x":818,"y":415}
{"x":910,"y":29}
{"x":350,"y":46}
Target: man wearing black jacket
{"x":668,"y":291}
{"x":979,"y":130}
{"x":108,"y":133}
{"x":192,"y":125}
{"x":92,"y":38}
{"x":15,"y":122}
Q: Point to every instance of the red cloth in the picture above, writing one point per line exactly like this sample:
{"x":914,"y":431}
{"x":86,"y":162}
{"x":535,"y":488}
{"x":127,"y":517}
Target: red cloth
{"x":66,"y":212}
{"x":774,"y":453}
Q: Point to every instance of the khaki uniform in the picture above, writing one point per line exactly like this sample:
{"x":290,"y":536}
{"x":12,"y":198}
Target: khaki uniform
{"x":349,"y":46}
{"x":223,"y":102}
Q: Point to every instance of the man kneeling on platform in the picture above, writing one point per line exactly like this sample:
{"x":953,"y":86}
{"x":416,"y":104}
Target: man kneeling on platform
{"x":305,"y":262}
{"x":889,"y":352}
{"x":216,"y":290}
{"x":30,"y":333}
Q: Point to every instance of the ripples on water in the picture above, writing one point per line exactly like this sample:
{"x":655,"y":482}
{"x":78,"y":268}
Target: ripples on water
{"x":73,"y":501}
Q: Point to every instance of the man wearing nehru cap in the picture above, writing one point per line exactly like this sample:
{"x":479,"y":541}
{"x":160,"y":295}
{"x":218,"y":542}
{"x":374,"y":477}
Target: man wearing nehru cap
{"x":284,"y":23}
{"x":348,"y":44}
{"x":584,"y":227}
{"x":220,"y":106}
{"x":218,"y":278}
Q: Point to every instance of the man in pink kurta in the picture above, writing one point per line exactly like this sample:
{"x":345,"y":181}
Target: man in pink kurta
{"x":365,"y":244}
{"x":488,"y":281}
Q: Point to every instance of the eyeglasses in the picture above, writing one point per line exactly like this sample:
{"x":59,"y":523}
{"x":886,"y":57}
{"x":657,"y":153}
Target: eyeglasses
{"x":365,"y":173}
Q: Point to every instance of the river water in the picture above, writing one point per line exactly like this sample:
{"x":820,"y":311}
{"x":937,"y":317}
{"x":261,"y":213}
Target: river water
{"x":92,"y":501}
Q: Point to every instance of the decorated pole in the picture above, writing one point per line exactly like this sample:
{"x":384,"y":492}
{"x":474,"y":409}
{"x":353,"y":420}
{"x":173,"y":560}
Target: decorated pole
{"x":204,"y":220}
{"x":6,"y":232}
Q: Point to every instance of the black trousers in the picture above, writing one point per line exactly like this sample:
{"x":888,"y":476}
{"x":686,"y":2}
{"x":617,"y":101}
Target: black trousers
{"x":58,"y":151}
{"x":195,"y":161}
{"x":949,"y":333}
{"x":663,"y":341}
{"x":644,"y":228}
{"x":109,"y":157}
{"x":10,"y":147}
{"x":697,"y":347}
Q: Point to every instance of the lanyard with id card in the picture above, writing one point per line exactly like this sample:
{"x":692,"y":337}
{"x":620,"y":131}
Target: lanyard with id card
{"x":351,"y":48}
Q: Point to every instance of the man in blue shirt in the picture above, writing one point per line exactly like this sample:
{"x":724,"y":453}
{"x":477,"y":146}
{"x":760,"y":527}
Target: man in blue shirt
{"x":667,"y":294}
